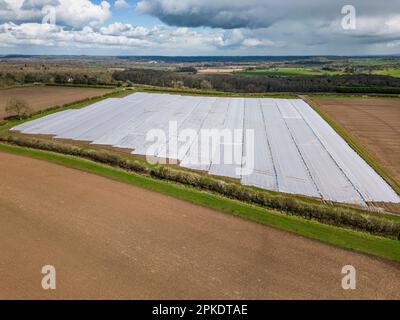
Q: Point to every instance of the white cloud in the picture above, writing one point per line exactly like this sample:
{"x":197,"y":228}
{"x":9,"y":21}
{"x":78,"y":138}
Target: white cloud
{"x":126,"y":36}
{"x":303,"y":22}
{"x":14,"y":4}
{"x":128,"y":30}
{"x":121,"y":4}
{"x":78,"y":13}
{"x":72,"y":13}
{"x":255,"y":42}
{"x":261,"y":27}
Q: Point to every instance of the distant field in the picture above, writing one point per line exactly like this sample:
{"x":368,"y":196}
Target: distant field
{"x":221,"y":70}
{"x":373,"y":123}
{"x":40,"y":98}
{"x":373,"y":61}
{"x":287,"y":72}
{"x":392,"y":72}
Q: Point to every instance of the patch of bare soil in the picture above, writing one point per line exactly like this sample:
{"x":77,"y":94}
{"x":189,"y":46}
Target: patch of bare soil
{"x":111,"y":240}
{"x":374,"y":123}
{"x":41,"y":98}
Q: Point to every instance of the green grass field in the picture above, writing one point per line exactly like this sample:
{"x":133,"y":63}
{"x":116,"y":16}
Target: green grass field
{"x":392,"y":72}
{"x":288,"y":72}
{"x":344,"y":238}
{"x":373,"y":62}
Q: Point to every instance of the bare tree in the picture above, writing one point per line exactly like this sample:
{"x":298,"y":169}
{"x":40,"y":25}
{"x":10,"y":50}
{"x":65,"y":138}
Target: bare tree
{"x":18,"y":108}
{"x":206,"y":85}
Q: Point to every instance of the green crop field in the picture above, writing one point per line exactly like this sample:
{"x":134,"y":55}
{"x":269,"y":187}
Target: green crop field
{"x":392,"y":72}
{"x":288,"y":72}
{"x":373,"y":62}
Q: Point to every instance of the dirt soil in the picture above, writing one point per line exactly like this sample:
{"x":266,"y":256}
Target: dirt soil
{"x":41,"y":98}
{"x":221,"y":70}
{"x":111,"y":240}
{"x":373,"y":123}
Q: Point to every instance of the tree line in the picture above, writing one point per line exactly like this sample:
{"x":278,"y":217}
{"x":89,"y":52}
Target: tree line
{"x":241,"y":84}
{"x":21,"y":77}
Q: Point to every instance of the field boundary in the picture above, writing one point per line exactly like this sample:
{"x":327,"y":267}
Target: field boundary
{"x":78,"y":85}
{"x":341,"y":237}
{"x":361,"y":151}
{"x":72,"y":105}
{"x":288,"y":72}
{"x":22,"y":85}
{"x":213,"y":93}
{"x":337,"y":216}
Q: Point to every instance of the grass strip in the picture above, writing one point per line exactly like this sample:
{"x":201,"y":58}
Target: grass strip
{"x":328,"y":214}
{"x":344,"y":238}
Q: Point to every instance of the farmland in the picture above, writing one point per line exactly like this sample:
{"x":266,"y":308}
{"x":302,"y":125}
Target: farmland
{"x":392,"y":72}
{"x":87,"y":227}
{"x":314,"y":162}
{"x":313,"y":203}
{"x":373,"y":123}
{"x":216,"y":70}
{"x":43,"y":97}
{"x":288,"y":72}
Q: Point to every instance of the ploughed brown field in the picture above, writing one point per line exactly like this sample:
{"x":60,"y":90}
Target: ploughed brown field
{"x":111,"y":240}
{"x":221,"y":70}
{"x":41,"y":98}
{"x":373,"y":123}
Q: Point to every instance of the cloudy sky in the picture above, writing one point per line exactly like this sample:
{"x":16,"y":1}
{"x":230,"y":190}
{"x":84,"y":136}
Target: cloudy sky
{"x":199,"y":27}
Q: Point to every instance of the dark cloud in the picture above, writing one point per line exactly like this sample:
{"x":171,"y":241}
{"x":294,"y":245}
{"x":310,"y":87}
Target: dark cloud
{"x":288,"y":25}
{"x":252,"y":27}
{"x":229,"y":14}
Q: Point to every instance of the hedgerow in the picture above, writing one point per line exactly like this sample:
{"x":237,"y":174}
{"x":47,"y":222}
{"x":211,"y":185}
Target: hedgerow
{"x":338,"y":216}
{"x":91,"y":154}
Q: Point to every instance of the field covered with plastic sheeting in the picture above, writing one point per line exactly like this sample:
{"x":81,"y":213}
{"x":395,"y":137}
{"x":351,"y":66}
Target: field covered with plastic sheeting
{"x":275,"y":144}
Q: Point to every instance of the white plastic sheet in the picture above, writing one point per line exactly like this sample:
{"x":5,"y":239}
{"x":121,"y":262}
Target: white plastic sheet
{"x":296,"y":151}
